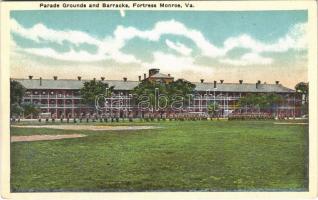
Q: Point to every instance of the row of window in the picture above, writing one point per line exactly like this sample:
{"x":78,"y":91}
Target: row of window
{"x":50,"y":93}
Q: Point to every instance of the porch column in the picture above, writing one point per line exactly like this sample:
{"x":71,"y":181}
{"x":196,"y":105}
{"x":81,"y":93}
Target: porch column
{"x":48,"y":101}
{"x":73,"y":104}
{"x":64,"y":104}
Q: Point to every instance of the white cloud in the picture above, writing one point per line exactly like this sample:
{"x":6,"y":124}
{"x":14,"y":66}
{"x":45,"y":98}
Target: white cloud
{"x":296,"y":38}
{"x":176,"y":64}
{"x":40,"y":32}
{"x":107,"y":49}
{"x":122,"y":13}
{"x":81,"y":56}
{"x":171,"y":27}
{"x":248,"y":59}
{"x":179,"y":47}
{"x":110,"y":47}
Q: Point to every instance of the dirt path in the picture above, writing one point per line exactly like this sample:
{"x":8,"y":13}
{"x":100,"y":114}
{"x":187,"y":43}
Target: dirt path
{"x":290,"y":123}
{"x":88,"y":127}
{"x":43,"y":137}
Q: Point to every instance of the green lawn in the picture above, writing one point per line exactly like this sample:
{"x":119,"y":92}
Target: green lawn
{"x":180,"y":156}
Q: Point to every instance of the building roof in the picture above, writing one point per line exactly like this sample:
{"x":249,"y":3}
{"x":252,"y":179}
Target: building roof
{"x":67,"y":84}
{"x":244,"y":87}
{"x":160,"y":75}
{"x":122,"y":85}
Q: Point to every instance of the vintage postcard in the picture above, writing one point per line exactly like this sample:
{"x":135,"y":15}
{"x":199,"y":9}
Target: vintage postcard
{"x":158,"y":99}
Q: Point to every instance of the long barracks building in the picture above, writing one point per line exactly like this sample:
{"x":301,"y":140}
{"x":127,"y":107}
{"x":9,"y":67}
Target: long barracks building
{"x":61,"y":97}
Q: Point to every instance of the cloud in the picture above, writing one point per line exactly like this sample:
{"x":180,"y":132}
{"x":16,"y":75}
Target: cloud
{"x":296,"y":38}
{"x":248,"y":59}
{"x":110,"y":47}
{"x":177,"y":64}
{"x":107,"y":49}
{"x":170,"y":27}
{"x":122,"y":13}
{"x":40,"y":32}
{"x":81,"y":56}
{"x":178,"y":47}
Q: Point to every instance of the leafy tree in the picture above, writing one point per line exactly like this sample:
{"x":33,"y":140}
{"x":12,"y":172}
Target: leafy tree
{"x":30,"y":109}
{"x":148,"y":89}
{"x":303,"y":90}
{"x":16,"y":92}
{"x":248,"y":100}
{"x":213,"y":108}
{"x":302,"y":87}
{"x":261,"y":100}
{"x":15,"y":109}
{"x":181,"y":87}
{"x":92,"y":89}
{"x":273,"y":100}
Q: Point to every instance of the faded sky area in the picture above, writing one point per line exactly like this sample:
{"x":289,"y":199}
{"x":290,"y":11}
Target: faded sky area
{"x":213,"y":45}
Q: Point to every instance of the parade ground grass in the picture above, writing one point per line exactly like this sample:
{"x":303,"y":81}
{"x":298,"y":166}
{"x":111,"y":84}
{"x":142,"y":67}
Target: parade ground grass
{"x":175,"y":156}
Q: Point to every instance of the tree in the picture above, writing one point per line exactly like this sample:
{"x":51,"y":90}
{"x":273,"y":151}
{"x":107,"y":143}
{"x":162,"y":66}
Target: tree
{"x":15,"y":109}
{"x":273,"y":100}
{"x":248,"y":100}
{"x":181,"y":87}
{"x":93,"y":89}
{"x":261,"y":101}
{"x":30,"y":109}
{"x":303,"y":90}
{"x":16,"y":94}
{"x":213,"y":108}
{"x":148,"y":89}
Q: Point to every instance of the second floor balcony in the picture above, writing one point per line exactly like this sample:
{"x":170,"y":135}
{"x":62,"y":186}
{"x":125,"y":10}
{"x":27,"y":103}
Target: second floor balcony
{"x":54,"y":96}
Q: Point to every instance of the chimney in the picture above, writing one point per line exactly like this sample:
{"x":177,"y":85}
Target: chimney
{"x":145,"y":76}
{"x":40,"y":81}
{"x":214,"y":84}
{"x":79,"y":78}
{"x":125,"y":79}
{"x":241,"y":81}
{"x":277,"y":82}
{"x":258,"y":83}
{"x":169,"y":75}
{"x":102,"y":78}
{"x":30,"y":77}
{"x":153,"y":71}
{"x":139,"y":78}
{"x":221,"y":81}
{"x":55,"y":78}
{"x":202,"y":80}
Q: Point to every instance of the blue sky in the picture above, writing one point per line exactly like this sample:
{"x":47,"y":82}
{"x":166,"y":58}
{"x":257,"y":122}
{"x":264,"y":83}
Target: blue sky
{"x":193,"y":45}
